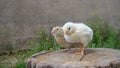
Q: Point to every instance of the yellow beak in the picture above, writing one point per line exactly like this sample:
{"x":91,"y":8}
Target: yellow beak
{"x":65,"y":32}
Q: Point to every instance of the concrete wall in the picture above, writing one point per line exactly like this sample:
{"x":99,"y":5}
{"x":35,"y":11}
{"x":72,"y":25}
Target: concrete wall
{"x":23,"y":18}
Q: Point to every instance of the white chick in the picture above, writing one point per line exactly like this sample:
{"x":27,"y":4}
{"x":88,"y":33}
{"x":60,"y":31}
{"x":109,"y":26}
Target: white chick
{"x":78,"y":33}
{"x":59,"y":36}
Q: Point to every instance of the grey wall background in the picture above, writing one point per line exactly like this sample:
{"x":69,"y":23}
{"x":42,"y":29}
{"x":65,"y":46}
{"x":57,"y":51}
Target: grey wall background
{"x":23,"y":18}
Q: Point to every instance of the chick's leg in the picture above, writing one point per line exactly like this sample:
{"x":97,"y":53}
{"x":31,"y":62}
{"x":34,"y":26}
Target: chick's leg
{"x":80,"y":51}
{"x":83,"y":52}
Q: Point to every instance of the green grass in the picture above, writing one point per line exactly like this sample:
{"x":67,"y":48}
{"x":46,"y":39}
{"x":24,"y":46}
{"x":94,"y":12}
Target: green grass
{"x":104,"y":37}
{"x":20,"y":64}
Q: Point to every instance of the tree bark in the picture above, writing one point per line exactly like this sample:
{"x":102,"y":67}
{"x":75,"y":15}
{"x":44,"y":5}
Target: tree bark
{"x":93,"y":58}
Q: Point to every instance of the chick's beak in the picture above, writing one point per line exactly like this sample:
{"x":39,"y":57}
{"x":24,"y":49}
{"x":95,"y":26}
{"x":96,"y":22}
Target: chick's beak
{"x":65,"y":32}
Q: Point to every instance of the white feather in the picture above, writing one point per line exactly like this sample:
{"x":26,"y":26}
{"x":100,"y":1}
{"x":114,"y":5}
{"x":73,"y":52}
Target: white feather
{"x":82,"y":34}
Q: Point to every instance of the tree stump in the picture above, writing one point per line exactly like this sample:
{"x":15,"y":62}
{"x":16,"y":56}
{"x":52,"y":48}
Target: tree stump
{"x":94,"y":58}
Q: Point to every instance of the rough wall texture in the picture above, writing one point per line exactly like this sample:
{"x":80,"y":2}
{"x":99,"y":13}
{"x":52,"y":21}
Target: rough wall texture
{"x":22,"y":18}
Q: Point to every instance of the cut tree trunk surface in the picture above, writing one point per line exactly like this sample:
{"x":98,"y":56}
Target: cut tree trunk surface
{"x":94,"y":58}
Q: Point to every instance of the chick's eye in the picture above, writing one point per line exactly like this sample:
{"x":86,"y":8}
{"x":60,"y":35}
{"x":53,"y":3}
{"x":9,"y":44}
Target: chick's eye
{"x":57,"y":29}
{"x":69,"y":28}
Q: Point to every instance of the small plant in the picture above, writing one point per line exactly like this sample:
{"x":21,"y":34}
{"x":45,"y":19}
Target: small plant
{"x":5,"y":43}
{"x":46,"y":42}
{"x":104,"y":34}
{"x":20,"y":64}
